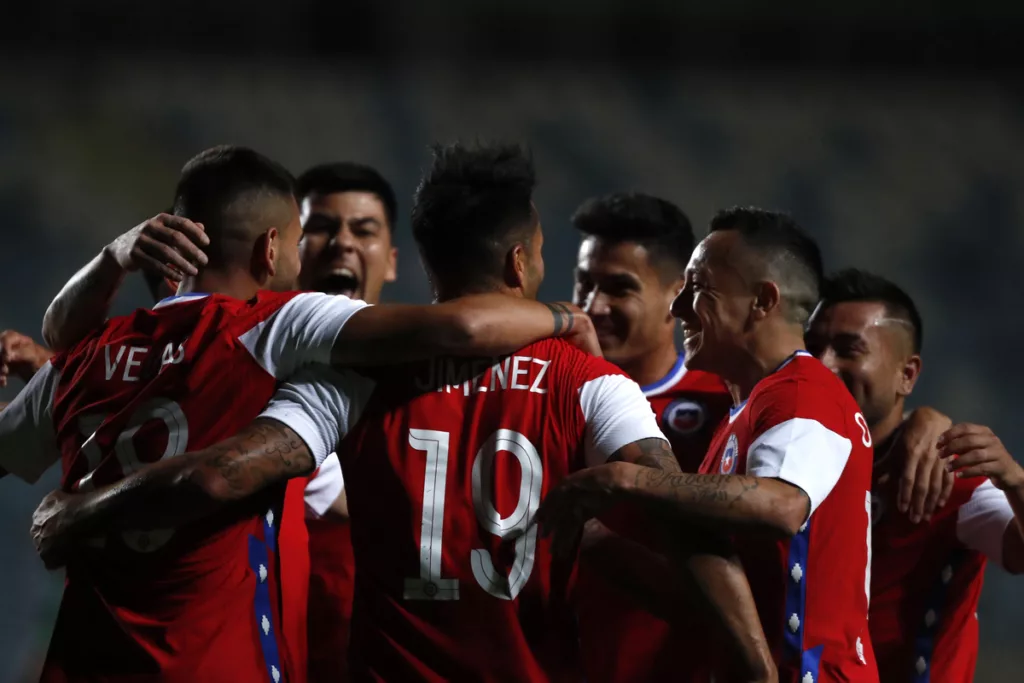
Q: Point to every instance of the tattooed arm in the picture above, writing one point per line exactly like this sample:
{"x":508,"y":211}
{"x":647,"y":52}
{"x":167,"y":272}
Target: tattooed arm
{"x":174,"y":491}
{"x":728,"y":501}
{"x":167,"y":245}
{"x":478,"y":325}
{"x":699,"y":569}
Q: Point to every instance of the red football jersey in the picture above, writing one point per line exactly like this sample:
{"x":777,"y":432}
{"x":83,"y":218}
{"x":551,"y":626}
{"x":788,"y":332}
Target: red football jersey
{"x":801,"y":425}
{"x":331,"y":576}
{"x":203,"y":602}
{"x":444,"y":474}
{"x":619,"y":642}
{"x":926,"y":579}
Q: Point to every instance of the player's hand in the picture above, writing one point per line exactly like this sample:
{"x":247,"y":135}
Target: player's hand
{"x":49,"y":529}
{"x":171,"y":246}
{"x":581,"y":332}
{"x":578,"y":498}
{"x":974,"y":451}
{"x":926,"y":484}
{"x":20,"y":356}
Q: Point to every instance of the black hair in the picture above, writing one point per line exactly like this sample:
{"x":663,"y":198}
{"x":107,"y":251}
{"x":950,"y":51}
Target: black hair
{"x":347,"y":176}
{"x":471,"y":207}
{"x":236,"y":193}
{"x":853,"y":285}
{"x":790,"y":256}
{"x":658,"y":225}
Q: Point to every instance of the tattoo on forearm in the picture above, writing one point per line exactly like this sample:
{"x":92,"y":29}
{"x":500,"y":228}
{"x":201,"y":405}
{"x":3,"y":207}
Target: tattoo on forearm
{"x":266,"y":452}
{"x":564,"y":319}
{"x":725,"y":489}
{"x":654,"y":453}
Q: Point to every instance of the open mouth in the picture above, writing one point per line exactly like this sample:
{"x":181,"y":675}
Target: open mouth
{"x":339,"y":281}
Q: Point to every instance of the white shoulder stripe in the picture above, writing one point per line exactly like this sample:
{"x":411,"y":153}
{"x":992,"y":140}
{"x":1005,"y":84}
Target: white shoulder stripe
{"x":617,"y":414}
{"x":981,"y":522}
{"x":802,"y":452}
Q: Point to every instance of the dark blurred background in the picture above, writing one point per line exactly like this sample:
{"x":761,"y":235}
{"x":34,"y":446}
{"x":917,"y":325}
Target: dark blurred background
{"x":895,"y":134}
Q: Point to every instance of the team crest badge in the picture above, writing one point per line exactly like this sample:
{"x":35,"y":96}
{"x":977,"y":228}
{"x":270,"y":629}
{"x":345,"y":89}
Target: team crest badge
{"x":730,"y":455}
{"x":684,"y":417}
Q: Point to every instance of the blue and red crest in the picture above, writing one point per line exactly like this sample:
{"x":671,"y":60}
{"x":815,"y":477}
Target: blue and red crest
{"x":683,"y":416}
{"x":730,"y":456}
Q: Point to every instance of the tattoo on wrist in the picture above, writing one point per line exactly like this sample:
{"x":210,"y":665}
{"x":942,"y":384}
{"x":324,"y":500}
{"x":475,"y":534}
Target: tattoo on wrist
{"x":564,"y":319}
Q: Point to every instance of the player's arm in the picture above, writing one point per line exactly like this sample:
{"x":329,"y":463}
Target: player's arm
{"x":296,"y":432}
{"x":166,"y":244}
{"x":28,"y":441}
{"x":992,"y":521}
{"x":792,"y":465}
{"x":621,"y":428}
{"x":20,"y":356}
{"x":478,"y":325}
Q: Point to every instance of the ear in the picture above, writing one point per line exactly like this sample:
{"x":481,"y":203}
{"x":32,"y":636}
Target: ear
{"x":516,"y":266}
{"x":767,"y":299}
{"x":264,"y":254}
{"x":391,"y":272}
{"x":909,"y":373}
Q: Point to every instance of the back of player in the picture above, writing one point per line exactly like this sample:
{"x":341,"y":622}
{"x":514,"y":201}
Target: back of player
{"x":448,"y":466}
{"x":192,"y":604}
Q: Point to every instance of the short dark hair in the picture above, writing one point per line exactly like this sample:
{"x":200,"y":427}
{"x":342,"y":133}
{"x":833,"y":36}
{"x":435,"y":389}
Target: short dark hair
{"x":791,"y":256}
{"x":657,"y":224}
{"x":471,"y":207}
{"x":348,"y":176}
{"x":852,"y":285}
{"x":236,"y":193}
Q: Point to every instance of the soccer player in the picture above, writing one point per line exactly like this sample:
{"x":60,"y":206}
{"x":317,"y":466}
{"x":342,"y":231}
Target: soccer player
{"x":348,"y":214}
{"x":926,"y":578}
{"x":201,"y":602}
{"x":790,"y":470}
{"x":629,"y":269}
{"x":451,"y":458}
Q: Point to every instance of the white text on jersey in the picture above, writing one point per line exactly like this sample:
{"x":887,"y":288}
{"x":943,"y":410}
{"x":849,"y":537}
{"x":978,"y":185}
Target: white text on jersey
{"x":517,"y":373}
{"x":134,"y":357}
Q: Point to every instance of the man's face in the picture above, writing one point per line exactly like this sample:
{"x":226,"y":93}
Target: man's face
{"x":288,"y":263}
{"x":626,"y":297}
{"x":715,"y":303}
{"x":868,"y":350}
{"x":346,"y":245}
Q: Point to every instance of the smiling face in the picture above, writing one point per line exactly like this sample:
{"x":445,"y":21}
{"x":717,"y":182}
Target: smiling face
{"x":715,"y":303}
{"x":869,"y":350}
{"x":346,"y":245}
{"x":626,"y":296}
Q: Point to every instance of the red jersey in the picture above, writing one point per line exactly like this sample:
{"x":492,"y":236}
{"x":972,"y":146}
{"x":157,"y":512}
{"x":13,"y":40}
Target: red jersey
{"x":445,"y":472}
{"x":926,"y":579}
{"x":620,"y":642}
{"x":802,"y":426}
{"x":331,"y":576}
{"x":202,"y":602}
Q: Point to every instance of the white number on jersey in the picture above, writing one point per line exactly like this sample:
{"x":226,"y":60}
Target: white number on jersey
{"x":162,"y":409}
{"x":865,"y":433}
{"x":430,"y":585}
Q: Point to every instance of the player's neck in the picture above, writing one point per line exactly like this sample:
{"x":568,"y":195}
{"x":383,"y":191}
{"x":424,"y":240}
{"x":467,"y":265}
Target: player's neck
{"x":235,"y":285}
{"x":649,"y":368}
{"x":764,"y":355}
{"x":442,"y":294}
{"x":884,"y":429}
